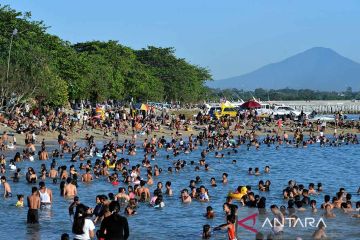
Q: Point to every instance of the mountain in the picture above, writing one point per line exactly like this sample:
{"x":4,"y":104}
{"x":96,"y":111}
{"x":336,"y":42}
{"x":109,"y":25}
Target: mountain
{"x":317,"y":68}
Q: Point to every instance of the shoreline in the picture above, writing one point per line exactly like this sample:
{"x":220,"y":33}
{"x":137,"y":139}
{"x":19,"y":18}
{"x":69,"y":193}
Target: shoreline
{"x":79,"y":135}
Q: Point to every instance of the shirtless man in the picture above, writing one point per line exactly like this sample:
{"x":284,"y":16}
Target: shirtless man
{"x":279,"y":218}
{"x":43,"y":154}
{"x":87,"y":177}
{"x":337,"y":201}
{"x":64,"y":173}
{"x":143,"y":189}
{"x":326,"y":202}
{"x":34,"y":205}
{"x":70,"y":189}
{"x":320,"y":232}
{"x":28,"y":138}
{"x":53,"y":172}
{"x":46,"y":195}
{"x":31,"y":147}
{"x":5,"y":137}
{"x":185,"y":197}
{"x":328,"y":213}
{"x":122,"y":195}
{"x":7,"y":188}
{"x":168,"y":188}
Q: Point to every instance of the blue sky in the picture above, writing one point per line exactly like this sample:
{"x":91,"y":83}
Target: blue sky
{"x":229,"y":37}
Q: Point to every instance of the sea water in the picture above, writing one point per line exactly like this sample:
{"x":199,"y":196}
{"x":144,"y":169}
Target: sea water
{"x":334,"y":167}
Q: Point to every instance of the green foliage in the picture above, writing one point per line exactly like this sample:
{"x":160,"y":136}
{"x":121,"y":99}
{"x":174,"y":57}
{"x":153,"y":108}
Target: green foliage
{"x":55,"y":91}
{"x":45,"y":67}
{"x":182,"y":81}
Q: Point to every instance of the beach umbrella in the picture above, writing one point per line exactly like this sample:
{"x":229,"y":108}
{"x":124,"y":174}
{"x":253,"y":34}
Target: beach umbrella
{"x":251,"y":104}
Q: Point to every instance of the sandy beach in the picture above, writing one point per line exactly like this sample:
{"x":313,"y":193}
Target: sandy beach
{"x":79,"y":135}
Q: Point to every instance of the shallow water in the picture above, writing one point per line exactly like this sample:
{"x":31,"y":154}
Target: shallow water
{"x":334,"y":167}
{"x":349,"y":117}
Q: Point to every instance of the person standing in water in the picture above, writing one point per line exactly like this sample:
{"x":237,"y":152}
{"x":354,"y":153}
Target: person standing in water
{"x":83,"y":227}
{"x":7,"y":188}
{"x":45,"y":196}
{"x":114,"y":226}
{"x":43,"y":155}
{"x":53,"y":174}
{"x":70,"y":189}
{"x":320,"y":232}
{"x":87,"y":177}
{"x":72,"y":206}
{"x":34,"y":205}
{"x":279,"y":220}
{"x":229,"y":226}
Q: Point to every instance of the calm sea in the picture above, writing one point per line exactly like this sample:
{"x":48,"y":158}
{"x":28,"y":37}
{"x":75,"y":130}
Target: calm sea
{"x":333,"y":167}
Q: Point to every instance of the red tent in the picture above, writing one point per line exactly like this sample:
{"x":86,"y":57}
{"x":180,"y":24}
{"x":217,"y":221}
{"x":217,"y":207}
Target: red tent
{"x":251,"y":104}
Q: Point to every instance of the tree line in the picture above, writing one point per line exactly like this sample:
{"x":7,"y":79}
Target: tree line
{"x":40,"y":66}
{"x":44,"y":67}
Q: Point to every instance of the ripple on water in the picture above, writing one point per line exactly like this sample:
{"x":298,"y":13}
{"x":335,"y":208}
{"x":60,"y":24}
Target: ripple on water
{"x":333,"y":167}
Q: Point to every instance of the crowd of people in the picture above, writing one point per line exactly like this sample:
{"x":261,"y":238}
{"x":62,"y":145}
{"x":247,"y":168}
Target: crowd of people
{"x":94,"y":162}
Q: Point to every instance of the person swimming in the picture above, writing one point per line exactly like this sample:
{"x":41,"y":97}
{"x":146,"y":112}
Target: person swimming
{"x":209,"y":212}
{"x":185,"y":197}
{"x":213,"y":182}
{"x":225,"y":178}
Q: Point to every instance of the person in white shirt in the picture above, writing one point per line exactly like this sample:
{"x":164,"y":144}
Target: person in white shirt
{"x":34,"y":136}
{"x":83,"y":227}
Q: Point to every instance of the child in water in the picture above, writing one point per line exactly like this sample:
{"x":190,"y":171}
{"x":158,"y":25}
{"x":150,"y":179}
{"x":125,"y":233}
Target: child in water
{"x":20,"y":202}
{"x":209,"y":212}
{"x":206,"y":231}
{"x":229,"y":226}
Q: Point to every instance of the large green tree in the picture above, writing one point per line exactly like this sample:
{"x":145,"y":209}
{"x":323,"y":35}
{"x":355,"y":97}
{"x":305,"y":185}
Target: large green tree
{"x":182,"y":81}
{"x":43,"y":66}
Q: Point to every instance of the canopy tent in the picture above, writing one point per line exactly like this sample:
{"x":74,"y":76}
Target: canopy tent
{"x":226,"y":104}
{"x":251,"y":104}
